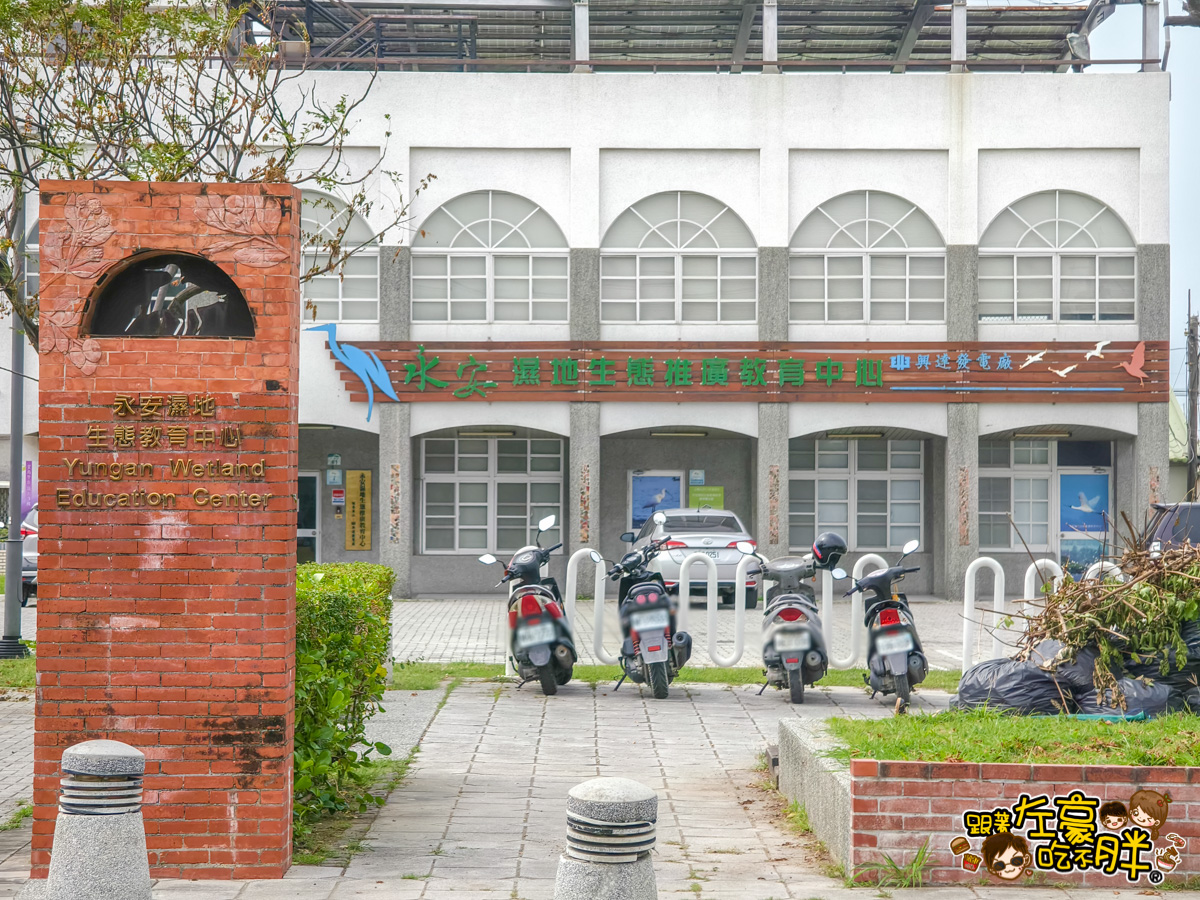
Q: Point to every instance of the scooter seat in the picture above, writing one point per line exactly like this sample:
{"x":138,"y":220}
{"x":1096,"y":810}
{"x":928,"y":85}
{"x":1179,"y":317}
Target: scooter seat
{"x":524,"y":590}
{"x":802,"y":600}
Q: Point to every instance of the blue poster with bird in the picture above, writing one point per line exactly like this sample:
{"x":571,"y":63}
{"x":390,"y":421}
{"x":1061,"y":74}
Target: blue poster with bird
{"x":1083,"y":502}
{"x":650,"y":493}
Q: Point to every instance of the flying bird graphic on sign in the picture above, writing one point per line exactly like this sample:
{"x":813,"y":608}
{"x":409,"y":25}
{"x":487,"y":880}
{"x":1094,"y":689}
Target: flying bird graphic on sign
{"x":1100,"y":345}
{"x":363,"y":363}
{"x":1136,"y":362}
{"x":1086,"y":505}
{"x":1030,"y":360}
{"x":1063,"y":373}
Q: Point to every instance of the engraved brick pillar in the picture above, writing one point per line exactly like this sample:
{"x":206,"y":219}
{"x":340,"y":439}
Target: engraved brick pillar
{"x":166,"y":607}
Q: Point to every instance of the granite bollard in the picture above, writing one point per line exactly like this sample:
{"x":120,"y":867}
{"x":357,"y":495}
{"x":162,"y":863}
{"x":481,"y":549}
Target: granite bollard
{"x":99,"y":837}
{"x":610,"y":833}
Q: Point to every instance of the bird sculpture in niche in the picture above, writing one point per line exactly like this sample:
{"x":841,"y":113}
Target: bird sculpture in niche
{"x":363,"y":363}
{"x":179,"y":299}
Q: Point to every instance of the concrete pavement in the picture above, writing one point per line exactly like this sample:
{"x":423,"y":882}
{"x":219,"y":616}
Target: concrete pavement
{"x":481,"y":815}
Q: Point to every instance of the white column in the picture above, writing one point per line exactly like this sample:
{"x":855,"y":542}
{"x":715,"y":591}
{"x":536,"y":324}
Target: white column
{"x":1151,"y":26}
{"x":770,"y":30}
{"x":958,"y":33}
{"x":581,"y":34}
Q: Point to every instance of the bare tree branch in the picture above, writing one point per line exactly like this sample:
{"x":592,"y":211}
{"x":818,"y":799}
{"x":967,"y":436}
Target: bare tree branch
{"x":187,"y":90}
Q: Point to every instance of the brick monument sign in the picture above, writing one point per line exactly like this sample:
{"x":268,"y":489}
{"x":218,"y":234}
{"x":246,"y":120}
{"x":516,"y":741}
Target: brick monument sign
{"x":166,"y":609}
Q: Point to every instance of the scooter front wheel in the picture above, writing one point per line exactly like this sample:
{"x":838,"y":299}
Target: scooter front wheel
{"x":659,"y":684}
{"x":549,"y":682}
{"x":796,"y":687}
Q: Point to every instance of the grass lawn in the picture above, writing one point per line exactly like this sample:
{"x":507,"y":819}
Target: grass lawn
{"x":983,"y":736}
{"x":17,"y":673}
{"x":420,"y":676}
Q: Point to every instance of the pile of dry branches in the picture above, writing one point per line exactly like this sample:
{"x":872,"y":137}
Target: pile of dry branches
{"x":1134,"y":621}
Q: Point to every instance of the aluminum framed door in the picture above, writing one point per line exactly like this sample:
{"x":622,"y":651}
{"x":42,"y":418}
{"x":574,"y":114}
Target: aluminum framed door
{"x":308,"y":517}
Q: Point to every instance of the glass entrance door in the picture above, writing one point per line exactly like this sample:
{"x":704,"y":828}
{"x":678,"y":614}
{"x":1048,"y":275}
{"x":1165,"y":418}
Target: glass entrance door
{"x":307,"y":518}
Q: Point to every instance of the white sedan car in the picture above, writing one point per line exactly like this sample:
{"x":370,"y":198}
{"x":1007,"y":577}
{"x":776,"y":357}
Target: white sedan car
{"x":714,"y":532}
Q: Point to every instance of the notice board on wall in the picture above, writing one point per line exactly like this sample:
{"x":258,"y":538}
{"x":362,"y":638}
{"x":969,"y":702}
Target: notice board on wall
{"x":358,"y":509}
{"x":711,"y":495}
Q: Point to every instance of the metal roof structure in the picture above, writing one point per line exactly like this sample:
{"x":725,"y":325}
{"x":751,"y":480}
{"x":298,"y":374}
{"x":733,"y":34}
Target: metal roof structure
{"x":906,"y":33}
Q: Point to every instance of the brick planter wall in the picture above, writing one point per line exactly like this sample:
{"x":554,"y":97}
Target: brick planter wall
{"x":897,"y":806}
{"x":172,"y":629}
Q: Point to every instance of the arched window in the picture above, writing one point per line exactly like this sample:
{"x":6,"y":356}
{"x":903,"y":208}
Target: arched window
{"x":351,"y":293}
{"x":490,"y":256}
{"x":678,"y":257}
{"x":1057,"y":256}
{"x":867,"y":256}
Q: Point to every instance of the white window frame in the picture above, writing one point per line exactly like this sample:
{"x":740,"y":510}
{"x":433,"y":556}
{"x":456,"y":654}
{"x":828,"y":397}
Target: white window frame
{"x":678,"y":253}
{"x":852,"y":475}
{"x":1056,"y":254}
{"x":1048,"y":471}
{"x":33,"y":257}
{"x":489,"y":254}
{"x":492,"y":477}
{"x":1055,"y":276}
{"x":489,"y":275}
{"x":867,"y":253}
{"x":308,"y":226}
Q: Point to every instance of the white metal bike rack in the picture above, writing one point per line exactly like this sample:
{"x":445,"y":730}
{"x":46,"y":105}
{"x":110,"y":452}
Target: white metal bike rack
{"x":857,"y":632}
{"x":685,"y":586}
{"x":1037,"y":576}
{"x":572,"y":582}
{"x":984,"y":562}
{"x":739,"y":611}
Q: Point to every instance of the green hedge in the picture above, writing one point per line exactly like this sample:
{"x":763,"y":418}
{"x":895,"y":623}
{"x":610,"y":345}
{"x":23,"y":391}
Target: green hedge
{"x":343,"y":623}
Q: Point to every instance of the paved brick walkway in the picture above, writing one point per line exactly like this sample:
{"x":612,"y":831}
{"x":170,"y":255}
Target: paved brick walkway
{"x":472,"y":630}
{"x":482,"y":814}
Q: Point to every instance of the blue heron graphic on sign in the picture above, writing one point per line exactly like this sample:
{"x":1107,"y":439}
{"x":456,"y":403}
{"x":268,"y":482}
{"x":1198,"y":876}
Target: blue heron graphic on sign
{"x":363,"y":363}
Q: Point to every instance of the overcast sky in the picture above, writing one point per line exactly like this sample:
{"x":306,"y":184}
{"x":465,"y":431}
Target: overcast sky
{"x":1120,"y":38}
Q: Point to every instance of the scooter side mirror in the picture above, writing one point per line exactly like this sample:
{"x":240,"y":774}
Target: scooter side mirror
{"x":911,"y":547}
{"x":839,"y":573}
{"x":659,"y":518}
{"x":488,"y":560}
{"x":627,"y":537}
{"x":546,"y":524}
{"x":595,"y":557}
{"x":746,"y":548}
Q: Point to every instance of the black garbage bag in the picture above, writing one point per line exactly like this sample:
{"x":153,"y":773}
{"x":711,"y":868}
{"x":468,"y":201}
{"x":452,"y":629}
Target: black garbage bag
{"x":1008,"y":684}
{"x":1181,"y":674}
{"x":1079,"y":674}
{"x":1153,"y":699}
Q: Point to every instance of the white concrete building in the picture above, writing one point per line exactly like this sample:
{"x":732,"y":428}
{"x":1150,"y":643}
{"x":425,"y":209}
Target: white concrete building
{"x":829,"y":209}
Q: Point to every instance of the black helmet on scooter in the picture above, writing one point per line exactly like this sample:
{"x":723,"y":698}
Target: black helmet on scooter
{"x":828,"y":549}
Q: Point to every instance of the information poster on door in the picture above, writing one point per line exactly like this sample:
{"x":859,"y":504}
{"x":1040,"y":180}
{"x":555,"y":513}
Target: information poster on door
{"x":650,"y":492}
{"x":358,"y":509}
{"x":710,"y":495}
{"x":1083,"y":520}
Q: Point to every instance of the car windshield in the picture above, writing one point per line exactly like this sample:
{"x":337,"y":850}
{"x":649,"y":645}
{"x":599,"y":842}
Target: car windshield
{"x":700,"y":524}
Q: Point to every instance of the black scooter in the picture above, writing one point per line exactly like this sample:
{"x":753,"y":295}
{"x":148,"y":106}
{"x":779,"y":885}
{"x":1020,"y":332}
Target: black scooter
{"x":793,"y":650}
{"x":652,"y":650}
{"x":895,"y":658}
{"x":542,"y":646}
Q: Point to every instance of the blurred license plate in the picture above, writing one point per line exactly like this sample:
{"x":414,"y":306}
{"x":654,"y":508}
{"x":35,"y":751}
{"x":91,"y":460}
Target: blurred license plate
{"x":715,"y":554}
{"x":793,"y":640}
{"x":646,"y":621}
{"x":531,"y":635}
{"x":894,"y":642}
